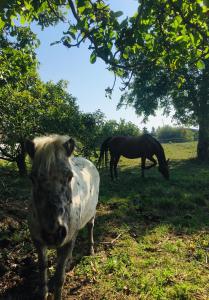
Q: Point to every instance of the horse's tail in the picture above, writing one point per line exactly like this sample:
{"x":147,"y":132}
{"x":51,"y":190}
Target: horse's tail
{"x":104,"y":152}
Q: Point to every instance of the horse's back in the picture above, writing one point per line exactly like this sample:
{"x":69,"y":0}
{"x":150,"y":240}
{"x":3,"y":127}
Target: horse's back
{"x":150,"y":140}
{"x":134,"y":146}
{"x":85,"y":188}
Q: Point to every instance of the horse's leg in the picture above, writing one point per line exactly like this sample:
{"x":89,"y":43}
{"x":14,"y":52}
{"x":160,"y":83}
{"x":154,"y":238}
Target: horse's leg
{"x":143,"y":160}
{"x":115,"y":166}
{"x":42,"y":261}
{"x":154,"y":163}
{"x":106,"y":158}
{"x":111,"y":166}
{"x":90,"y":227}
{"x":64,"y":254}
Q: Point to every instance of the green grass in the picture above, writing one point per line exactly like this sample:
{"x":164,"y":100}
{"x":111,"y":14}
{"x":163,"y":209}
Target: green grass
{"x":151,"y":235}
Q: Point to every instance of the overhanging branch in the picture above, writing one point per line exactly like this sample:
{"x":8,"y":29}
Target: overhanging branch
{"x":7,"y":159}
{"x":9,"y":156}
{"x":89,"y":34}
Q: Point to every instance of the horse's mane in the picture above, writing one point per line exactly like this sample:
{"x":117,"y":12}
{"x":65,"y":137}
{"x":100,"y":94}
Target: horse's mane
{"x":47,"y":150}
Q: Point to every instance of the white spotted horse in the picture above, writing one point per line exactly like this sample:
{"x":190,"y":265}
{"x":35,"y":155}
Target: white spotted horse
{"x":64,"y":198}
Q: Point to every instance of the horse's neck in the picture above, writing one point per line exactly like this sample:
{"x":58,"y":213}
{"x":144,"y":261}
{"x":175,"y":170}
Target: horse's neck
{"x":161,"y":156}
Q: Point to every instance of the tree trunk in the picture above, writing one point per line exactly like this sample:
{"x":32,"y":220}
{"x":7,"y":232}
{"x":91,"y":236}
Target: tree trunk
{"x":203,"y":116}
{"x":203,"y":140}
{"x":21,"y":166}
{"x":20,"y":160}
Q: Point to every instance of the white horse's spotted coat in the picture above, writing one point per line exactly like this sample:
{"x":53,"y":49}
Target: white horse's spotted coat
{"x":85,"y":190}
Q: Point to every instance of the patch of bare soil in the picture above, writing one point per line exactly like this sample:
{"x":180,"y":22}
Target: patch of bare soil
{"x":18,"y":261}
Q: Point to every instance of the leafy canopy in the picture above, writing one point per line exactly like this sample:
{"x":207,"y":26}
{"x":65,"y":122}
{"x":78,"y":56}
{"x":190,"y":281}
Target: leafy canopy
{"x":17,"y":54}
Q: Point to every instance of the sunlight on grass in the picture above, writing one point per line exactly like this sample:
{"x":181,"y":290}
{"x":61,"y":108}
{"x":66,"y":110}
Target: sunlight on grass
{"x":151,"y":235}
{"x":161,"y":253}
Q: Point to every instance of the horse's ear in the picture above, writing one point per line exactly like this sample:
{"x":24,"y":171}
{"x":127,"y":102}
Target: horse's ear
{"x":30,"y":148}
{"x":168,"y":160}
{"x":69,"y":146}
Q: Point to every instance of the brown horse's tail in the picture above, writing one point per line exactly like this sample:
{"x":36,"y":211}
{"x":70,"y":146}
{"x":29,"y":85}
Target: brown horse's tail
{"x":103,"y":157}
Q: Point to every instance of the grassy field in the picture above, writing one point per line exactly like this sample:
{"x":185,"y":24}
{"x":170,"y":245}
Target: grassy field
{"x":152,"y":235}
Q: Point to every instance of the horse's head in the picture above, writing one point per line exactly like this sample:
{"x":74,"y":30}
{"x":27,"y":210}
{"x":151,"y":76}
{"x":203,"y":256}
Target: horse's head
{"x":51,"y":176}
{"x":164,"y":169}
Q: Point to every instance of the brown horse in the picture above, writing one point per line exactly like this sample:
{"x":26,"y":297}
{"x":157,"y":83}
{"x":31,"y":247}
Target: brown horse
{"x":144,"y":146}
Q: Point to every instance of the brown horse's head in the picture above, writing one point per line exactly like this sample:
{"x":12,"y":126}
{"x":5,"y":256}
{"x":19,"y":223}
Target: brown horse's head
{"x":164,"y":169}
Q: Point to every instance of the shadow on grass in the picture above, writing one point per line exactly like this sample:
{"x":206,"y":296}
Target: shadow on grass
{"x":183,"y":201}
{"x":130,"y":204}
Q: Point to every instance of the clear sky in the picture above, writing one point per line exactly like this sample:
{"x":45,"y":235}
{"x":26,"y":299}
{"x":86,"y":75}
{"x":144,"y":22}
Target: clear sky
{"x":87,"y":82}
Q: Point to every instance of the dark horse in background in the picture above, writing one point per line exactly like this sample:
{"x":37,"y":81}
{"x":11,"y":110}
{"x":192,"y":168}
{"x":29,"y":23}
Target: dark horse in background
{"x":144,"y":146}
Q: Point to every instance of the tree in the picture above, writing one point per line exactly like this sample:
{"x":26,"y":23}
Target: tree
{"x":126,"y":128}
{"x":153,"y":132}
{"x":59,"y":112}
{"x":39,"y":109}
{"x":17,"y":55}
{"x":112,"y":128}
{"x":145,"y":130}
{"x":90,"y":132}
{"x":18,"y":119}
{"x":162,"y":50}
{"x":173,"y":65}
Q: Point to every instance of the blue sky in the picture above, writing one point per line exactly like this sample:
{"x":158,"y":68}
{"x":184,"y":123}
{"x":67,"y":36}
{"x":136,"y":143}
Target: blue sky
{"x":87,"y":82}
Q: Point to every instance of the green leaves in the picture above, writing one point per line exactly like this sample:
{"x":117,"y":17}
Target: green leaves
{"x":17,"y":58}
{"x":163,"y":42}
{"x":93,"y":58}
{"x":200,"y":64}
{"x":118,"y":14}
{"x":2,"y":24}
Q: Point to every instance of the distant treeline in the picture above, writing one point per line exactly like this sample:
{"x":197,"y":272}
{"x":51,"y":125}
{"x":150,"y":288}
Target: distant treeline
{"x":168,"y":134}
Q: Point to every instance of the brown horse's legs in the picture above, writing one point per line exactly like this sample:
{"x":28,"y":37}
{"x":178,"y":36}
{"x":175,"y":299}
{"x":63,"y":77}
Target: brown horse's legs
{"x":143,"y":167}
{"x":115,"y":166}
{"x":111,"y":166}
{"x":143,"y":160}
{"x":154,"y":163}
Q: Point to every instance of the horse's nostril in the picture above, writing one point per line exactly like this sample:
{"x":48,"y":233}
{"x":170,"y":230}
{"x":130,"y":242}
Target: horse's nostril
{"x":62,"y":232}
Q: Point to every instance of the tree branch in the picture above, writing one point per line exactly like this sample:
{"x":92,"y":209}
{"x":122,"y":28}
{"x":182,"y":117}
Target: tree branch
{"x":54,"y":12}
{"x":89,"y":35}
{"x":73,"y":10}
{"x":7,"y":154}
{"x":126,"y":84}
{"x":7,"y":159}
